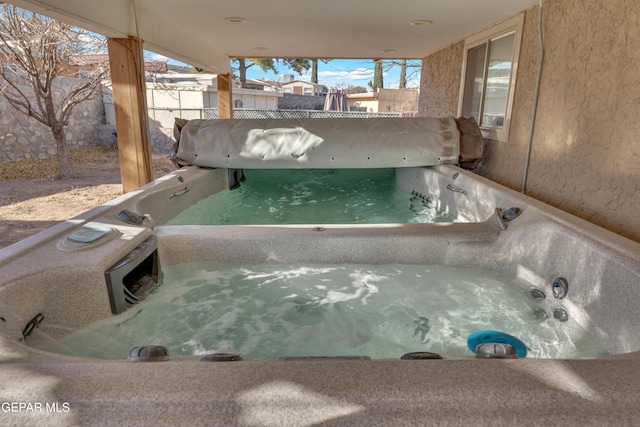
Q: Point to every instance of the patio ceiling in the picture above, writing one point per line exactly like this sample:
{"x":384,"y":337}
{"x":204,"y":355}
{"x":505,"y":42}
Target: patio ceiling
{"x":196,"y":31}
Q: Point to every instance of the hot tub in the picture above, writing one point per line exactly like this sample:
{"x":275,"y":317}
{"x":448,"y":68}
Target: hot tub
{"x":55,"y":286}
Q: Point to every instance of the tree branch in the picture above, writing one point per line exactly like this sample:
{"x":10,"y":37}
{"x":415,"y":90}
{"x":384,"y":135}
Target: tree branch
{"x":35,"y":52}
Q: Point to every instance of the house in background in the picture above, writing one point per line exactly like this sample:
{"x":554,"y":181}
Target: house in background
{"x":298,"y":87}
{"x":254,"y":84}
{"x":269,"y":85}
{"x":186,"y":95}
{"x":385,"y":101}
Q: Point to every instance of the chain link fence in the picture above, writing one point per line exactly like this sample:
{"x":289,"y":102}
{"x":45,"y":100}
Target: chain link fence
{"x":212,"y":113}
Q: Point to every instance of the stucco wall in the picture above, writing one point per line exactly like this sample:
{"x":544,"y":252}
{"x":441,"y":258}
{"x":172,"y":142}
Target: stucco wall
{"x":440,"y":82}
{"x":394,"y":100}
{"x":585,"y":155}
{"x":370,"y":103}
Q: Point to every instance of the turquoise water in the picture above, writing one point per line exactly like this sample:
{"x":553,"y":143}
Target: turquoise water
{"x":382,"y":311}
{"x":313,"y":196}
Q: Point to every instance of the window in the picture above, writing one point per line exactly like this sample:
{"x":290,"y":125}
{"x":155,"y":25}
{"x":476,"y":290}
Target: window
{"x":238,"y":103}
{"x":286,"y":90}
{"x":308,"y":91}
{"x":489,"y":76}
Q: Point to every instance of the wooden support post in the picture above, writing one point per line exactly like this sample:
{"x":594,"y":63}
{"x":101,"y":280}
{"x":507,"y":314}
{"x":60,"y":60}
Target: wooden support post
{"x":130,"y":102}
{"x":225,"y":96}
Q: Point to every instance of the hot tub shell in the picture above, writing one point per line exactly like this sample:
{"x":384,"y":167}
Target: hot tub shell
{"x":64,"y":281}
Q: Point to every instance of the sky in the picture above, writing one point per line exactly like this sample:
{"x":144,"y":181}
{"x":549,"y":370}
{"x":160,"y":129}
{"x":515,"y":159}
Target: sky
{"x":340,"y":73}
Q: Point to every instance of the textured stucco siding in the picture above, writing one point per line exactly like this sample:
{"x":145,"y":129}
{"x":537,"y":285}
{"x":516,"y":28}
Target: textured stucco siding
{"x":585,"y":156}
{"x":440,"y":82}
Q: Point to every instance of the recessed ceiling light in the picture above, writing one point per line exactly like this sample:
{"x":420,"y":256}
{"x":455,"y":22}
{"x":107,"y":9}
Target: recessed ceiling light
{"x":235,"y":19}
{"x":387,"y":50}
{"x":420,"y":22}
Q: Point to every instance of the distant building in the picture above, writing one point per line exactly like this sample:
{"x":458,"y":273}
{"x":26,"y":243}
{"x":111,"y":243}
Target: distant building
{"x":256,"y":84}
{"x":298,"y":87}
{"x":385,"y":100}
{"x":185,"y":95}
{"x":270,"y":85}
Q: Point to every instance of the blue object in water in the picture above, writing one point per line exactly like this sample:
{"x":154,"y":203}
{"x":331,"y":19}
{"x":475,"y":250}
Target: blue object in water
{"x":485,"y":336}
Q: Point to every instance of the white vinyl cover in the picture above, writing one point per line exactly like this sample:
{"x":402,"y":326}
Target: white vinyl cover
{"x":320,"y":143}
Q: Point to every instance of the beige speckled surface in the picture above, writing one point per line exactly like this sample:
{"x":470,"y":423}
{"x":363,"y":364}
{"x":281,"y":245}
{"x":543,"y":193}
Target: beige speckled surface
{"x":273,"y":393}
{"x":436,"y":86}
{"x":585,"y":157}
{"x":68,"y":288}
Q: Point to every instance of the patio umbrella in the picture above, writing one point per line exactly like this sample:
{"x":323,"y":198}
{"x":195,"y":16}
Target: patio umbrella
{"x":336,"y":100}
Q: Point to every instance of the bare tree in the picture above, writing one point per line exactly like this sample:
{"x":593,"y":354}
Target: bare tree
{"x":378,"y":79}
{"x":403,"y":75}
{"x":35,"y":51}
{"x":409,"y":70}
{"x":314,"y":69}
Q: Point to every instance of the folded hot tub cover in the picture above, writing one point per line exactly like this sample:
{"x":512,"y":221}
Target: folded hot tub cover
{"x":471,"y":142}
{"x":319,"y":143}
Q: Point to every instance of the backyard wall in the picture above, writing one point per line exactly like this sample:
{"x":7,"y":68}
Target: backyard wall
{"x":166,"y":102}
{"x":390,"y":100}
{"x":290,"y":101}
{"x":585,"y":156}
{"x":93,"y":122}
{"x":22,"y":137}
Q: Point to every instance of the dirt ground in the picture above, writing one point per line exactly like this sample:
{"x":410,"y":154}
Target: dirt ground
{"x":31,"y":200}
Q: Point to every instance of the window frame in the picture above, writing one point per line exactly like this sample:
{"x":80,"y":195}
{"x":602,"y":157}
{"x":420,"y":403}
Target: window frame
{"x":507,"y":27}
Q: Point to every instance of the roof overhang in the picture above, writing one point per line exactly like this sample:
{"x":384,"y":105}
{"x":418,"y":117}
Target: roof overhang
{"x":196,"y":31}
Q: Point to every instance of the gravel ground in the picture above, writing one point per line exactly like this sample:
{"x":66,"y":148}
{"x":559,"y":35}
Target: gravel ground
{"x":32,"y":200}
